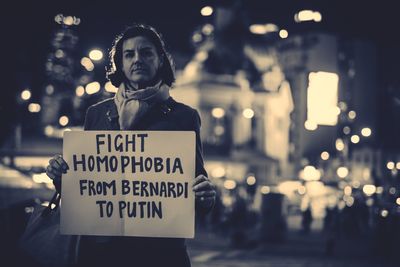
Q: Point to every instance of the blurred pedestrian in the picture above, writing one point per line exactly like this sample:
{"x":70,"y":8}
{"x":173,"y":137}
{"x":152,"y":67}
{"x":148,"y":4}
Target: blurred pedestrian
{"x":143,"y":71}
{"x":238,"y":220}
{"x":306,"y":220}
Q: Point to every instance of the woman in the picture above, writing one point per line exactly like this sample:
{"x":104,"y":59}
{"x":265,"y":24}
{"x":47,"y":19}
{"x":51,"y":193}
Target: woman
{"x":143,"y":71}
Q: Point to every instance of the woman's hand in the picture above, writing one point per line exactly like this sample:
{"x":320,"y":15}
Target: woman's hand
{"x":204,"y":192}
{"x":57,"y":166}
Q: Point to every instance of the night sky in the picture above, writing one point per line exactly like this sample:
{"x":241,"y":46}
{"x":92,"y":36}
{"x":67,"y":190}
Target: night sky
{"x":29,"y":25}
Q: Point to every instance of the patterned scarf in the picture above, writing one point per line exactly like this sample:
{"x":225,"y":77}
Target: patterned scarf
{"x":132,"y":105}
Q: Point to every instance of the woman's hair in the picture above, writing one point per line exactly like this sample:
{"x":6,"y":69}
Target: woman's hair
{"x":114,"y":70}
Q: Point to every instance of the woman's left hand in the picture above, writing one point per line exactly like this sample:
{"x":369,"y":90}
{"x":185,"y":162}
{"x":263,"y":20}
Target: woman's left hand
{"x":204,"y":191}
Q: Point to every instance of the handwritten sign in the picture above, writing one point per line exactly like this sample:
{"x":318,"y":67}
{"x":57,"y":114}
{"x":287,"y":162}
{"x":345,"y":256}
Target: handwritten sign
{"x":128,"y":183}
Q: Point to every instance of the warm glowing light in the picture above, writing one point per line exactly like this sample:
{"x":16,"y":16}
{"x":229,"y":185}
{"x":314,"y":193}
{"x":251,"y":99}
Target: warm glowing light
{"x":218,"y":172}
{"x":92,"y":88}
{"x":366,"y":173}
{"x":263,"y":28}
{"x":398,"y":201}
{"x":390,"y":165}
{"x":342,"y":172}
{"x":251,"y":180}
{"x":265,"y":189}
{"x":248,"y":113}
{"x":379,"y":190}
{"x":310,"y":173}
{"x":348,"y":190}
{"x":96,"y":54}
{"x":342,"y":106}
{"x":339,"y":144}
{"x":398,"y":165}
{"x":219,"y":130}
{"x":201,"y":56}
{"x":34,"y":107}
{"x":230,"y":184}
{"x":369,"y":189}
{"x":352,"y":114}
{"x":302,"y":190}
{"x":324,"y":155}
{"x":283,"y":34}
{"x":317,"y":16}
{"x":110,"y":88}
{"x":305,"y":15}
{"x":384,"y":213}
{"x":48,"y":130}
{"x":370,"y":202}
{"x":366,"y":132}
{"x":26,"y":94}
{"x":322,"y":98}
{"x":206,"y":11}
{"x":197,"y":37}
{"x":310,"y":125}
{"x":207,"y":29}
{"x":80,"y":91}
{"x":41,"y":178}
{"x":308,"y":15}
{"x":355,"y":139}
{"x":87,"y":63}
{"x":69,"y":20}
{"x":288,"y":187}
{"x":218,"y":112}
{"x":63,"y":120}
{"x":59,"y":53}
{"x":269,"y":27}
{"x":257,"y":29}
{"x":349,"y":201}
{"x":346,"y":130}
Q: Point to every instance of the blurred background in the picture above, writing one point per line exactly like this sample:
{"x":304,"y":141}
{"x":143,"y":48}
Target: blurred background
{"x":299,"y":101}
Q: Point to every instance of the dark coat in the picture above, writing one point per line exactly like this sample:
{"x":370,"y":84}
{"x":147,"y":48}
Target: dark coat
{"x":166,"y":116}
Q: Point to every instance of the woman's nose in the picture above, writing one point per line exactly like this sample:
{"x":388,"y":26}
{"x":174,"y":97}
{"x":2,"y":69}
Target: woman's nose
{"x":137,"y":58}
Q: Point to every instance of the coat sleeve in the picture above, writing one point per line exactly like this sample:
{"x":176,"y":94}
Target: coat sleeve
{"x":88,"y":119}
{"x":199,"y":147}
{"x":199,"y":162}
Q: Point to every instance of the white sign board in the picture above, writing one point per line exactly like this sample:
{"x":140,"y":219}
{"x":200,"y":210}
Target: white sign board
{"x":129,"y":183}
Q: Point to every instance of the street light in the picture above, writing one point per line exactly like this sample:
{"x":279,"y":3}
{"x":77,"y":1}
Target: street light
{"x":96,"y":54}
{"x":26,"y":94}
{"x":355,"y":139}
{"x":342,"y":172}
{"x":206,"y":11}
{"x":366,"y":132}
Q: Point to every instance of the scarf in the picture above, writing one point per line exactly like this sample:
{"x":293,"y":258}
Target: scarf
{"x":132,"y":105}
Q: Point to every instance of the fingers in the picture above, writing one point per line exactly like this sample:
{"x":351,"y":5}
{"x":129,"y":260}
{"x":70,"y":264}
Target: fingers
{"x":199,"y":179}
{"x":57,"y":166}
{"x":50,"y":173}
{"x":203,"y":186}
{"x":60,"y":162}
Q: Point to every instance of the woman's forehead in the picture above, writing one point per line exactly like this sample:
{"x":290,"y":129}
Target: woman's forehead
{"x":138,"y":42}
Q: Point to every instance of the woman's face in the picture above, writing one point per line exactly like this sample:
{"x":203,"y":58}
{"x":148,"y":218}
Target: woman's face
{"x":140,"y":61}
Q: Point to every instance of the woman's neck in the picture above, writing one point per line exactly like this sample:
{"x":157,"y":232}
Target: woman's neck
{"x":136,"y":86}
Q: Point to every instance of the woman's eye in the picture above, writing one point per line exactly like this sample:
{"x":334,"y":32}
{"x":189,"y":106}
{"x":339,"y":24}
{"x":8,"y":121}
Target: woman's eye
{"x":147,"y":53}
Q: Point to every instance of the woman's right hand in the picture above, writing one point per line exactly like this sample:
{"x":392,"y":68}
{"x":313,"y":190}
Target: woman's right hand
{"x":57,"y":166}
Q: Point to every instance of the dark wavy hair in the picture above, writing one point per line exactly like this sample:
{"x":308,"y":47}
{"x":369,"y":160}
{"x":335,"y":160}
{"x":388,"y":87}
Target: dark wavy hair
{"x":114,"y":70}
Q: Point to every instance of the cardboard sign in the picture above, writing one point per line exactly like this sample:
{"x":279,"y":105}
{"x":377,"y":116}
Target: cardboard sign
{"x":129,"y":183}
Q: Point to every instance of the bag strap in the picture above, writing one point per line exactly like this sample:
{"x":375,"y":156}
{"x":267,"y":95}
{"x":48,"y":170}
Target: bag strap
{"x":55,"y":200}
